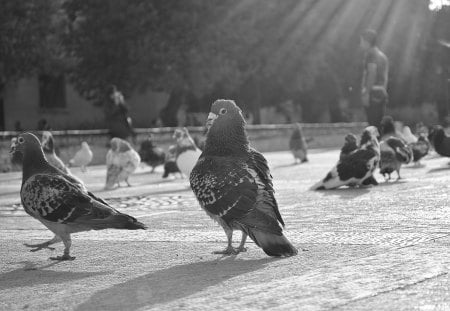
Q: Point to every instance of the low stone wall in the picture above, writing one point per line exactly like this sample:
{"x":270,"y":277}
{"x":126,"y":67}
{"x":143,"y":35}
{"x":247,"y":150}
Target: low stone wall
{"x":263,"y":137}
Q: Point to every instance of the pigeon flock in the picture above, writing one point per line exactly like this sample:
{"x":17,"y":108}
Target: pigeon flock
{"x":230,"y":179}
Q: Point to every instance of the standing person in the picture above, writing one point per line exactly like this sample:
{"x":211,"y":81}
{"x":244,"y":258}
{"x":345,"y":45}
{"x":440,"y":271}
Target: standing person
{"x":374,"y":96}
{"x":117,"y":115}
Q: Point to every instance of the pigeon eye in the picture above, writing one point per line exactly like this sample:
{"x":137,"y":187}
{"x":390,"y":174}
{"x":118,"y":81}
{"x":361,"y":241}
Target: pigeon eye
{"x":223,"y":111}
{"x":21,"y":140}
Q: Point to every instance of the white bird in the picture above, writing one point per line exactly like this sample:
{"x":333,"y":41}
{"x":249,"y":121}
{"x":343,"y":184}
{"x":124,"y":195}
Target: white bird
{"x":83,"y":157}
{"x":408,"y":136}
{"x":187,"y":151}
{"x":48,"y":146}
{"x":121,"y":161}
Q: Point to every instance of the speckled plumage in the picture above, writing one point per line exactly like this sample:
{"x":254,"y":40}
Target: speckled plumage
{"x":121,"y":161}
{"x":60,"y":201}
{"x":394,"y":153}
{"x":232,"y":183}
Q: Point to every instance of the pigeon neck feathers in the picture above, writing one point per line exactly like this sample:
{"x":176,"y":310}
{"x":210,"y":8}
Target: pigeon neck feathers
{"x":34,"y":162}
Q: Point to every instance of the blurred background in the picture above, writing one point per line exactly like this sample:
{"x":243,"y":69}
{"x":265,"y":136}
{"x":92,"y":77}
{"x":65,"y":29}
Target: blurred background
{"x":282,"y":61}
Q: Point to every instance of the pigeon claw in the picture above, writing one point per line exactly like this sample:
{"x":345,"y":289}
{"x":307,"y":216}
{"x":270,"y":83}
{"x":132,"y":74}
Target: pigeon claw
{"x":64,"y":257}
{"x":228,"y":251}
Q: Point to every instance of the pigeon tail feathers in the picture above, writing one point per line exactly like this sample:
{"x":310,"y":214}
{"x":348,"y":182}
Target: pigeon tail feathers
{"x":273,"y":244}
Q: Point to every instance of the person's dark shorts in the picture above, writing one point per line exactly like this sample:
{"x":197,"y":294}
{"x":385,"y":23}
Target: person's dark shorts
{"x":378,"y":99}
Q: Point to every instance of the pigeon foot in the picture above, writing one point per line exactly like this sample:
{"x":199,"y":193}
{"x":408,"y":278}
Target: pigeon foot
{"x":64,"y":257}
{"x":228,"y":251}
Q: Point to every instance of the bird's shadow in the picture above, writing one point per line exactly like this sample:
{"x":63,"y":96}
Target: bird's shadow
{"x":170,"y":284}
{"x":292,"y":164}
{"x":439,"y":169}
{"x":392,"y":182}
{"x":347,"y":192}
{"x":32,"y":274}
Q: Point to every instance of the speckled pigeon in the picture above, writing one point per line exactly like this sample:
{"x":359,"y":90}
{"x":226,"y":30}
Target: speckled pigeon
{"x":420,"y":148}
{"x":60,"y":201}
{"x":233,"y":184}
{"x":393,"y":153}
{"x":355,"y":169}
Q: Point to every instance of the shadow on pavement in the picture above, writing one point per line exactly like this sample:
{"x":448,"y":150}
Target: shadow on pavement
{"x":439,"y":169}
{"x":346,"y":193}
{"x":32,"y":274}
{"x":170,"y":284}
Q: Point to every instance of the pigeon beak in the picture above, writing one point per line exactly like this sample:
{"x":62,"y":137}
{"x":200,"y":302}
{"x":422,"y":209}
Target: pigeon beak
{"x":13,"y":146}
{"x":210,"y":120}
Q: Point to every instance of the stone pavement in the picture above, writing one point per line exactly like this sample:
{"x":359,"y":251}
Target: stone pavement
{"x":379,"y":248}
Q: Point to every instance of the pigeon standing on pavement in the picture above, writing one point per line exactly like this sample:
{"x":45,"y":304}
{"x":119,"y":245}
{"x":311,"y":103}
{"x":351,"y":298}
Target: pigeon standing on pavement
{"x":82,"y":157}
{"x":48,"y":145}
{"x":170,"y":165}
{"x":151,"y":154}
{"x":388,"y":129}
{"x":60,"y":201}
{"x":297,"y":145}
{"x":440,"y":141}
{"x":355,"y":169}
{"x":393,"y":153}
{"x":408,"y":135}
{"x":187,"y":151}
{"x":350,"y":145}
{"x":233,"y":184}
{"x":420,"y":148}
{"x":121,"y":161}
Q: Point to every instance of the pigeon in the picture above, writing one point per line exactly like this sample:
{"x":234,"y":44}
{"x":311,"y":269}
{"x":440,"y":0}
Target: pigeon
{"x":356,"y":168}
{"x":170,"y":165}
{"x":420,"y":148}
{"x":350,"y":145}
{"x":233,"y":184}
{"x":48,"y":146}
{"x":61,"y":202}
{"x":393,"y":153}
{"x":440,"y":141}
{"x":297,"y":145}
{"x":187,"y":151}
{"x":82,"y":157}
{"x":121,"y":161}
{"x":408,"y":135}
{"x":150,"y":154}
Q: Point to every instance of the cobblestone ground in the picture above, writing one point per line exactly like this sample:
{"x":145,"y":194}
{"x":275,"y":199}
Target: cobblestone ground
{"x":379,"y":248}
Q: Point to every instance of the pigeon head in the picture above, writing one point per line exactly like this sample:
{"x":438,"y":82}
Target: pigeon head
{"x":84,"y":145}
{"x":47,"y":142}
{"x":387,"y":125}
{"x":28,"y":148}
{"x":350,"y":139}
{"x":119,"y":145}
{"x":369,"y":136}
{"x":226,"y":129}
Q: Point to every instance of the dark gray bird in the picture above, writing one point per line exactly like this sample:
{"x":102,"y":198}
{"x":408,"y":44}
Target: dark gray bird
{"x":151,"y":154}
{"x":350,"y":145}
{"x":440,"y":141}
{"x":387,"y":128}
{"x":394,"y":152}
{"x":48,"y":145}
{"x":298,"y":145}
{"x":355,"y":169}
{"x":420,"y":148}
{"x":233,"y":184}
{"x":60,"y":201}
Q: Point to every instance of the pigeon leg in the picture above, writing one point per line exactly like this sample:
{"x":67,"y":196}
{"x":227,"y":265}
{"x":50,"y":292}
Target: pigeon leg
{"x":398,"y":174}
{"x":241,"y":247}
{"x":153,"y":169}
{"x":230,"y":250}
{"x":128,"y":184}
{"x":66,"y":256}
{"x":38,"y":247}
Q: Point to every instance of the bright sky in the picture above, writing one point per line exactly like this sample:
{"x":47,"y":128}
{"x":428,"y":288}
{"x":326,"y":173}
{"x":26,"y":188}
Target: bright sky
{"x":438,"y":4}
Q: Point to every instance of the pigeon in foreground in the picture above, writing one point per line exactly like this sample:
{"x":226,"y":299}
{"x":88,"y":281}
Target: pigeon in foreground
{"x":151,"y":154}
{"x":187,"y":151}
{"x":83,"y":157}
{"x":121,"y":161}
{"x":48,"y":145}
{"x":60,"y":201}
{"x":420,"y":148}
{"x":297,"y":145}
{"x":393,"y":153}
{"x":440,"y":141}
{"x":355,"y":169}
{"x":350,"y":145}
{"x":233,"y":184}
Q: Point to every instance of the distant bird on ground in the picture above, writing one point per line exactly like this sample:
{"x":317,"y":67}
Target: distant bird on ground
{"x":48,"y":145}
{"x":420,"y":148}
{"x":151,"y":154}
{"x":357,"y":167}
{"x":121,"y":161}
{"x":350,"y":145}
{"x":233,"y":184}
{"x":394,"y":152}
{"x":440,"y":141}
{"x":298,"y":145}
{"x":408,"y":135}
{"x":388,"y":129}
{"x":82,"y":157}
{"x":170,"y":165}
{"x":187,"y":151}
{"x":61,"y":202}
